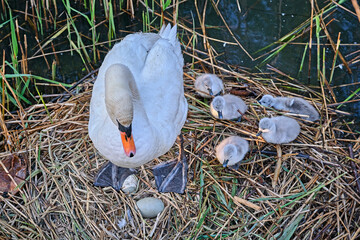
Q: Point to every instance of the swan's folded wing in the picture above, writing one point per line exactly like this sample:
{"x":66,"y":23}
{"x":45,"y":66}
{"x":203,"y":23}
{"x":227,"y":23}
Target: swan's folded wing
{"x":162,"y":91}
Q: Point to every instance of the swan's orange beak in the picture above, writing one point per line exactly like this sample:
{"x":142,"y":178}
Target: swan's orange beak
{"x":128,"y":144}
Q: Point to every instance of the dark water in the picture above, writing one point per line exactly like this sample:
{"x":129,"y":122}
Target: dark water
{"x":256,"y":25}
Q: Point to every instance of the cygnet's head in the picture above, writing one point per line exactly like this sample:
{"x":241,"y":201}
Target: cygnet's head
{"x":208,"y":85}
{"x":267,"y":101}
{"x":230,"y":153}
{"x":266,"y":125}
{"x":218,"y":104}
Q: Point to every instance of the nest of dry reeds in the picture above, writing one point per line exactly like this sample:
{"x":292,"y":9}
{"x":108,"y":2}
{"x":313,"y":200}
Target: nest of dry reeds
{"x":316,"y":196}
{"x":317,"y":193}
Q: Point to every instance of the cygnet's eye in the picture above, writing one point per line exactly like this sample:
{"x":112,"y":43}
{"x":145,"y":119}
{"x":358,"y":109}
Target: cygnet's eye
{"x":218,"y":105}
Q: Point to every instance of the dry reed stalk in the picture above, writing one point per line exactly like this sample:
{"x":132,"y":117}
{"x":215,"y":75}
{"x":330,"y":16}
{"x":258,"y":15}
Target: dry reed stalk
{"x":333,"y":45}
{"x":278,"y":166}
{"x":357,"y":8}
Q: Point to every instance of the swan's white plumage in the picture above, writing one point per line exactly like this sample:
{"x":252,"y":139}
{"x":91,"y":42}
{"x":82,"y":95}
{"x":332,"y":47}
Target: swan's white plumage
{"x":156,"y":62}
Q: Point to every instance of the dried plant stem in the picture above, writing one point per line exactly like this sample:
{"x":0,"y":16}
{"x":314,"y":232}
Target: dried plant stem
{"x":278,"y":165}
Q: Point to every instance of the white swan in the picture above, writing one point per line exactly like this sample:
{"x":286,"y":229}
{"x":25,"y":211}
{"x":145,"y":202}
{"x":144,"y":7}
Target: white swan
{"x":208,"y":85}
{"x":228,"y":107}
{"x":231,"y":151}
{"x":138,"y":106}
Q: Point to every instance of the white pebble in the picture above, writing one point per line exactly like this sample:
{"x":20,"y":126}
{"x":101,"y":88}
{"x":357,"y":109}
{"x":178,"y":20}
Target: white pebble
{"x":130,"y":184}
{"x":150,"y":207}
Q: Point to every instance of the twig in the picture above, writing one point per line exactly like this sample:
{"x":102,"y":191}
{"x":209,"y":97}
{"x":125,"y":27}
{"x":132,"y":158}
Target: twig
{"x":356,"y":7}
{"x":278,"y":165}
{"x":355,"y":169}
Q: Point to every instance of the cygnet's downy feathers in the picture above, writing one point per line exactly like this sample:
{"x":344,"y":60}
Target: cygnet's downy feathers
{"x":208,"y":85}
{"x":279,"y":130}
{"x":303,"y":107}
{"x":293,"y":105}
{"x":232,"y":150}
{"x":278,"y":103}
{"x":228,"y":107}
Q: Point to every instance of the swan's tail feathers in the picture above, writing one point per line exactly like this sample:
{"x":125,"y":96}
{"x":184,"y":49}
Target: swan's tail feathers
{"x":169,"y":33}
{"x":161,"y":32}
{"x":172,"y":35}
{"x":165,"y":30}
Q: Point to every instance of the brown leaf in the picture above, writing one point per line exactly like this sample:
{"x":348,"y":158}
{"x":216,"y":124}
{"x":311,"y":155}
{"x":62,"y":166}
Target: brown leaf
{"x":13,"y":174}
{"x":241,"y":91}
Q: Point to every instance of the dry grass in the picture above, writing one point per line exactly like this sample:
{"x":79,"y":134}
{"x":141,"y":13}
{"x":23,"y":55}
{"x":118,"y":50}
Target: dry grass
{"x":316,"y":197}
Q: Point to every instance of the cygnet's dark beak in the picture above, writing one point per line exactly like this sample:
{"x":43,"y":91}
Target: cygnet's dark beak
{"x":210,"y":92}
{"x":218,"y":94}
{"x":259,"y":133}
{"x":225,"y":163}
{"x":220,"y":115}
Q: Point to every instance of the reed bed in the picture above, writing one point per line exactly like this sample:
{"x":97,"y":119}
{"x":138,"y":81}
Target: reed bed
{"x":316,"y":197}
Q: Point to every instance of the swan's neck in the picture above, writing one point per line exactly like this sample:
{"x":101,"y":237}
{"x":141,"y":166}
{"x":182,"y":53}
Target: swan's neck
{"x":120,"y":94}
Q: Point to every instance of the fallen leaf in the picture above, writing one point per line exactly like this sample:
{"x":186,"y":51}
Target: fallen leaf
{"x":241,"y":92}
{"x":12,"y":172}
